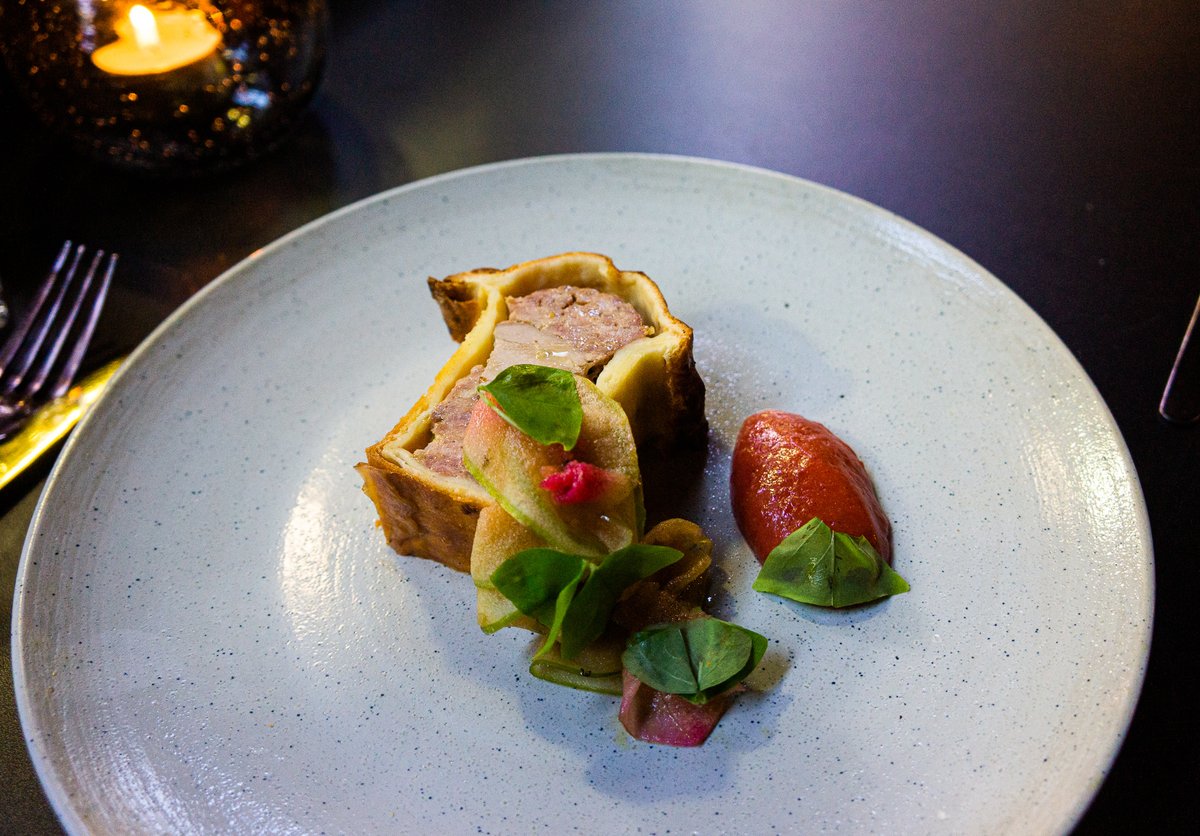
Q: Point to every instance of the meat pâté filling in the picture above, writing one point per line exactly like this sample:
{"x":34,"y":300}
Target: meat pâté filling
{"x":577,"y":329}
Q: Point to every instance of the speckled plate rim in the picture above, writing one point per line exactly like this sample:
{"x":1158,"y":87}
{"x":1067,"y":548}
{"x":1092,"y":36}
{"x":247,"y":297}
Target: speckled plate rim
{"x":46,"y":769}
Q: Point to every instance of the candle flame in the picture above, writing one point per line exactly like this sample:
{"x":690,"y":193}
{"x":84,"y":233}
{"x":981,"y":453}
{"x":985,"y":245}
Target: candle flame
{"x":145,"y":30}
{"x":152,"y":40}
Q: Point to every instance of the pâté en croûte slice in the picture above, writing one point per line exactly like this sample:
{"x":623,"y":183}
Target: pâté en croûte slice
{"x":575,"y":311}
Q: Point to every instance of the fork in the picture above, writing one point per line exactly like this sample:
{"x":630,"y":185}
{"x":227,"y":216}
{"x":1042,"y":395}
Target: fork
{"x":52,"y":321}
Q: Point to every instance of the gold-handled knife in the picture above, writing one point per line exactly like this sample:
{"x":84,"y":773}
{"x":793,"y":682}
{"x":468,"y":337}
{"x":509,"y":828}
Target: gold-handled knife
{"x":50,"y":423}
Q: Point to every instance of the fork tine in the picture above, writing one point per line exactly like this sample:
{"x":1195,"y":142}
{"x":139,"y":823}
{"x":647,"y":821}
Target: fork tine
{"x":17,"y":337}
{"x":31,"y":349}
{"x":67,"y":375}
{"x":61,"y":329}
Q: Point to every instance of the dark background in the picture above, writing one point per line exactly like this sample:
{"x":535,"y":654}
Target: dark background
{"x":1057,"y":144}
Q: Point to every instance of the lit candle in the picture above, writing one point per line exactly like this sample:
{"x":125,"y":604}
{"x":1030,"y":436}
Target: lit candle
{"x":151,"y":42}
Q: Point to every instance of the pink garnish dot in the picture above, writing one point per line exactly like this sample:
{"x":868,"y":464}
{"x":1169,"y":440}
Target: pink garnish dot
{"x":575,"y":482}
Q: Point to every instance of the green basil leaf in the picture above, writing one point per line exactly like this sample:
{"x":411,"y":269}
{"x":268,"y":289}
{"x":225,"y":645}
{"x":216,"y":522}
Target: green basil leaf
{"x":862,"y":575}
{"x":539,"y":401}
{"x":588,"y":614}
{"x":724,"y":655}
{"x":697,"y":659}
{"x":659,"y":657}
{"x":561,"y":605}
{"x":541,"y":584}
{"x":801,"y":567}
{"x":718,"y":653}
{"x":815,"y":565}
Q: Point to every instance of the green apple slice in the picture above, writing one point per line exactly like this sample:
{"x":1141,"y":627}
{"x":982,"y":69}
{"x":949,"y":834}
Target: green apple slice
{"x":497,"y":537}
{"x":596,"y":668}
{"x":510,"y":466}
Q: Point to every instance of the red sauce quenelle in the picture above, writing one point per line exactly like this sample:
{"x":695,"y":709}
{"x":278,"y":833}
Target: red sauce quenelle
{"x":787,"y":470}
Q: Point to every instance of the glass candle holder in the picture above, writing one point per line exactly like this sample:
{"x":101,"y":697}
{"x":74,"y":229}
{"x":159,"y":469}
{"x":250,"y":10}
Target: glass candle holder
{"x":166,"y":86}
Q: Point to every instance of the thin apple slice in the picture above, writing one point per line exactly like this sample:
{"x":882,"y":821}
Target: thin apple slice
{"x":595,"y":668}
{"x":497,"y":537}
{"x":511,"y":467}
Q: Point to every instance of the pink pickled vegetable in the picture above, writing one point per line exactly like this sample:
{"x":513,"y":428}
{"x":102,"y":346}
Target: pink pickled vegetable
{"x":655,"y":717}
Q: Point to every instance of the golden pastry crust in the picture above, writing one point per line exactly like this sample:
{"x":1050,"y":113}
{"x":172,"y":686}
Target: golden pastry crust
{"x":654,"y":378}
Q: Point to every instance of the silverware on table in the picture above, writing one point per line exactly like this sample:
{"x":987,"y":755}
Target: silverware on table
{"x":1181,"y":398}
{"x":62,"y":313}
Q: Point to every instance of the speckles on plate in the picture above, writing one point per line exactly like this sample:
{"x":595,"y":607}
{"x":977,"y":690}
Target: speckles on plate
{"x":207,"y":604}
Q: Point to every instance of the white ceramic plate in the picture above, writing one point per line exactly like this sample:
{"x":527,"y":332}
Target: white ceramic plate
{"x":211,"y":635}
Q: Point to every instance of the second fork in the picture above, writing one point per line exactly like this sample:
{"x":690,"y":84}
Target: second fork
{"x":52,"y":321}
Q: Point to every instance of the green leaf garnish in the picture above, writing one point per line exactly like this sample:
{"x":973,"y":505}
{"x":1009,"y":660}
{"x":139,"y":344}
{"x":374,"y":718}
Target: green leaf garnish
{"x":816,"y":565}
{"x":542,"y":583}
{"x":697,"y":659}
{"x":659,"y":657}
{"x":724,"y":652}
{"x":589,"y":613}
{"x":539,"y":401}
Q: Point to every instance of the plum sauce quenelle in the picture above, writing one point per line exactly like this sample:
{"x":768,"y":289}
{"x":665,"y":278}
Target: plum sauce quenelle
{"x":808,"y":509}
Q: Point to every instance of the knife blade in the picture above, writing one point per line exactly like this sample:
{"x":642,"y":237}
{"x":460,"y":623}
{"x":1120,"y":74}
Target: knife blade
{"x":1180,"y":402}
{"x":50,"y":423}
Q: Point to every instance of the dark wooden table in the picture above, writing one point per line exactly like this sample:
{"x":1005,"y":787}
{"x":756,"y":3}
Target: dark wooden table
{"x":1058,"y":144}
